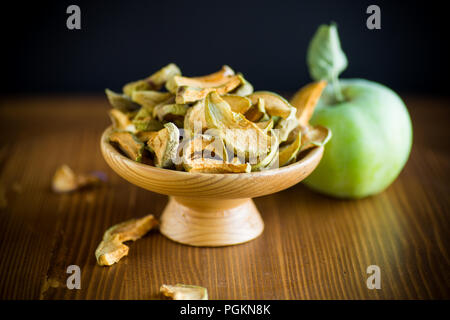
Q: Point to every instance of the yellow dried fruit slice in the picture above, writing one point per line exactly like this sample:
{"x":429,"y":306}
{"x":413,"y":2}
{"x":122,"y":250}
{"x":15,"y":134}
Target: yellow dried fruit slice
{"x":111,"y":249}
{"x":121,"y":121}
{"x":148,"y":99}
{"x":265,"y":126}
{"x":239,"y":134}
{"x":215,"y":79}
{"x":65,"y":180}
{"x":143,"y":121}
{"x":305,"y":100}
{"x":184,"y":292}
{"x":208,"y":145}
{"x":153,"y":82}
{"x":120,"y":101}
{"x":187,"y":94}
{"x":265,"y":161}
{"x":237,"y":103}
{"x":129,"y":144}
{"x":165,"y":145}
{"x":169,"y":112}
{"x":289,"y":152}
{"x":314,"y":136}
{"x":194,"y":120}
{"x":144,"y":136}
{"x":286,"y":125}
{"x":275,"y":105}
{"x":245,"y":88}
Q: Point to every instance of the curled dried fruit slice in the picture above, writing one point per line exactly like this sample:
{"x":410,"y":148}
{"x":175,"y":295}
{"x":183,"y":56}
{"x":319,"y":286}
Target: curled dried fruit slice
{"x":237,"y":103}
{"x":129,"y":144}
{"x":121,"y":121}
{"x":275,"y":105}
{"x":286,"y":125}
{"x":265,"y":161}
{"x":305,"y":100}
{"x":245,"y":88}
{"x":184,"y":292}
{"x":165,"y":145}
{"x":143,"y":121}
{"x":212,"y":80}
{"x":120,"y":101}
{"x":111,"y":249}
{"x":205,"y":165}
{"x":194,"y":120}
{"x":144,"y":136}
{"x":289,"y":152}
{"x":265,"y":126}
{"x":239,"y":134}
{"x":314,"y":136}
{"x":148,"y":99}
{"x":65,"y":180}
{"x":153,"y":82}
{"x":186,"y":94}
{"x":257,"y":111}
{"x":169,"y":112}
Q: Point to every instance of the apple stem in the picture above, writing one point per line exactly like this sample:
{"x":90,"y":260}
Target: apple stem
{"x":337,"y":89}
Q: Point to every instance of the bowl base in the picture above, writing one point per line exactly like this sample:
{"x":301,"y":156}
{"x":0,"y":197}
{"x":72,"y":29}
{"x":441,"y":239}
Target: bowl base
{"x":211,"y":222}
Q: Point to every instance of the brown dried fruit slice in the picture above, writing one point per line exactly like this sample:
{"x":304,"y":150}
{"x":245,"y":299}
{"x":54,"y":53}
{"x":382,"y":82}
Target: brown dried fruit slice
{"x":239,"y":134}
{"x":112,"y":249}
{"x":65,"y":180}
{"x":289,"y":152}
{"x":257,"y":111}
{"x":184,"y":292}
{"x":120,"y":101}
{"x":305,"y":100}
{"x":148,"y":99}
{"x":129,"y":144}
{"x":212,"y":80}
{"x":144,"y":136}
{"x":165,"y":145}
{"x":314,"y":136}
{"x":187,"y":94}
{"x":153,"y":82}
{"x":275,"y":105}
{"x":237,"y":103}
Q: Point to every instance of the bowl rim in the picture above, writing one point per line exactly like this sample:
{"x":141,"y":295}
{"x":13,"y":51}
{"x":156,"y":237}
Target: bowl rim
{"x":105,"y":146}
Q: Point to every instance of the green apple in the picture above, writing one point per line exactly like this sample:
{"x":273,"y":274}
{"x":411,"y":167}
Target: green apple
{"x":372,"y":137}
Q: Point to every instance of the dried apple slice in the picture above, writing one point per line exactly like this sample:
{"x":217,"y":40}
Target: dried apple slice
{"x":194,"y":120}
{"x":65,"y":180}
{"x":184,"y":292}
{"x":111,"y":249}
{"x":305,"y":100}
{"x":205,"y":165}
{"x":148,"y":99}
{"x":314,"y":136}
{"x":245,"y":88}
{"x":153,"y":82}
{"x":237,"y":103}
{"x":275,"y":105}
{"x":143,"y":121}
{"x":289,"y":152}
{"x":286,"y":125}
{"x":212,"y":80}
{"x":257,"y":111}
{"x":165,"y":145}
{"x":264,"y":162}
{"x":239,"y":134}
{"x":169,"y":112}
{"x":121,"y":121}
{"x":129,"y":144}
{"x":187,"y":94}
{"x":265,"y":126}
{"x":144,"y":136}
{"x":121,"y":101}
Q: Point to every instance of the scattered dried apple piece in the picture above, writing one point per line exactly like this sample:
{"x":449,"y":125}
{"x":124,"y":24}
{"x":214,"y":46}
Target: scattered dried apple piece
{"x":111,"y":249}
{"x":65,"y":180}
{"x":184,"y":292}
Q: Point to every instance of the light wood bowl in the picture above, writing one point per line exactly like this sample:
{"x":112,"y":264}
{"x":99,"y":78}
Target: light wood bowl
{"x":209,"y":209}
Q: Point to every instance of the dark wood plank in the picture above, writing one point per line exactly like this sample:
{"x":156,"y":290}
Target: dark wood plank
{"x":313,"y":247}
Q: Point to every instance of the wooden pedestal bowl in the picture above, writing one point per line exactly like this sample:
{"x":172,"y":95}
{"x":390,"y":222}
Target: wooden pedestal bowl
{"x":209,"y":209}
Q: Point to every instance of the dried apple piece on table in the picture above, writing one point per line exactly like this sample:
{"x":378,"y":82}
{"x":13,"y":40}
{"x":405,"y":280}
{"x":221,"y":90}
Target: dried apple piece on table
{"x":129,"y":144}
{"x":153,"y":82}
{"x":120,"y":101}
{"x":165,"y":145}
{"x":111,"y":249}
{"x":184,"y":292}
{"x":305,"y":100}
{"x":239,"y":134}
{"x":65,"y":180}
{"x":215,"y":79}
{"x":187,"y":94}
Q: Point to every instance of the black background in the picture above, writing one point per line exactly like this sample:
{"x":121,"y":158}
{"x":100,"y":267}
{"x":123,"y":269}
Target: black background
{"x":266,"y":40}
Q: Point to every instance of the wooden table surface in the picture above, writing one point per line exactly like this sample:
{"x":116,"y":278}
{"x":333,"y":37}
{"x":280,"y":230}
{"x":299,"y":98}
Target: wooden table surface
{"x":313,"y":247}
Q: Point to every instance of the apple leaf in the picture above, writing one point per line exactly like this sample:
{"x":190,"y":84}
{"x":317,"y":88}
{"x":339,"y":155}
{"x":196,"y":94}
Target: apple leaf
{"x":325,"y":57}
